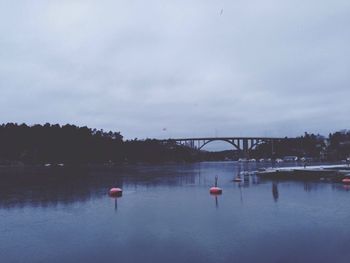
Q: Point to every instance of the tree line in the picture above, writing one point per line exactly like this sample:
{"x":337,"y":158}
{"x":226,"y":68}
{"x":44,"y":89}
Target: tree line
{"x":72,"y":144}
{"x":332,"y":148}
{"x":53,"y":143}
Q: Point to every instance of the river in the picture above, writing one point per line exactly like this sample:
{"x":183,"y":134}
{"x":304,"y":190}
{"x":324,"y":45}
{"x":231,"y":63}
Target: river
{"x":166,"y":214}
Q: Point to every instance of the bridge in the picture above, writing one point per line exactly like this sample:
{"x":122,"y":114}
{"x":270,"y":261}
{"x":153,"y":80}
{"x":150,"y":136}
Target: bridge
{"x":242,"y":144}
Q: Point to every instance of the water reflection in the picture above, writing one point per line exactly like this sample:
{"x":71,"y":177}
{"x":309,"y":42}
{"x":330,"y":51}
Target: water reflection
{"x":115,"y":204}
{"x":216,"y":197}
{"x":240,"y":193}
{"x":275,"y":191}
{"x":341,"y":187}
{"x":50,"y":187}
{"x":307,"y":186}
{"x":255,"y":179}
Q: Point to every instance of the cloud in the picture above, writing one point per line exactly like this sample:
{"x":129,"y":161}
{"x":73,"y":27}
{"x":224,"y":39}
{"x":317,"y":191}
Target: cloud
{"x":261,"y":68}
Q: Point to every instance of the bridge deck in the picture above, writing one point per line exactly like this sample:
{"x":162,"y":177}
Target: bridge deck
{"x":223,"y":138}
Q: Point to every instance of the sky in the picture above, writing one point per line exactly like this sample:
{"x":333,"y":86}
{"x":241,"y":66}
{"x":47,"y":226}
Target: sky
{"x":184,"y":68}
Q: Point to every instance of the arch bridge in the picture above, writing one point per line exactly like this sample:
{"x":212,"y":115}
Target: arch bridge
{"x":242,"y":144}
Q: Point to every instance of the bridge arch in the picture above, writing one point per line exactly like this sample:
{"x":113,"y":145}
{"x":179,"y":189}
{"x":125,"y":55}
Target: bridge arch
{"x":242,"y":144}
{"x":222,"y":140}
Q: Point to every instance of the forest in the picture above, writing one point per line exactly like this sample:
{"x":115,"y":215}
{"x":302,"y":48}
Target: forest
{"x":72,"y":144}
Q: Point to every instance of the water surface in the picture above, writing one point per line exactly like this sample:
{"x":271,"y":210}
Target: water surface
{"x":166,"y":214}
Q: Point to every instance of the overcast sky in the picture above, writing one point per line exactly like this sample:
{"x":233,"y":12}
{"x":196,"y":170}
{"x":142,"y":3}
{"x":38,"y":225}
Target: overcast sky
{"x":177,"y":68}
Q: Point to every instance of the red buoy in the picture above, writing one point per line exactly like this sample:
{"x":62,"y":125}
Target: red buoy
{"x":346,"y":180}
{"x":215,"y":190}
{"x":115,"y":192}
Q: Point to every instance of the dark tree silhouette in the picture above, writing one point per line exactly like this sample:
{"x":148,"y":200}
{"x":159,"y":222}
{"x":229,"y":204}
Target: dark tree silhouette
{"x":72,"y":144}
{"x":55,"y":143}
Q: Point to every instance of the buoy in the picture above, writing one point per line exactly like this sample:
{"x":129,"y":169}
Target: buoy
{"x":115,"y":192}
{"x":215,"y":190}
{"x":237,"y":179}
{"x":346,"y":180}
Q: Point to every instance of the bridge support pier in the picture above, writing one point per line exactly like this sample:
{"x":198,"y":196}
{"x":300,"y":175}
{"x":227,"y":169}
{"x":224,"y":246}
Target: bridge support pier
{"x":245,"y":149}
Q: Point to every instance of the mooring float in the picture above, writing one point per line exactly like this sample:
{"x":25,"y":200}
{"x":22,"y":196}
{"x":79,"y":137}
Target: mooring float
{"x":115,"y":191}
{"x":215,"y":190}
{"x":346,"y":180}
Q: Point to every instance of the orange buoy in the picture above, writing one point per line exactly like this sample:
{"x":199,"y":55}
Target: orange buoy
{"x":215,"y":190}
{"x":346,"y":180}
{"x":115,"y":192}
